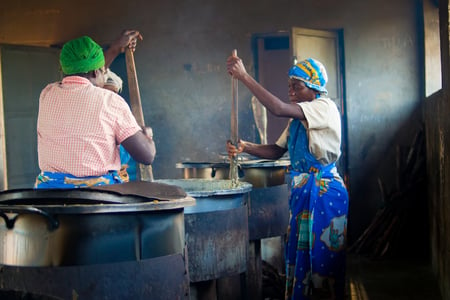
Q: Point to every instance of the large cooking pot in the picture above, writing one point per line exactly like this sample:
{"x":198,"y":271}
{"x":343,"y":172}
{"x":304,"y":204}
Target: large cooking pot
{"x":216,"y":227}
{"x":125,"y":222}
{"x":268,"y":210}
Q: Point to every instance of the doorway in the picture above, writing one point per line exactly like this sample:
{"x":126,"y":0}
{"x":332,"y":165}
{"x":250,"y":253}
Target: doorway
{"x":25,"y":71}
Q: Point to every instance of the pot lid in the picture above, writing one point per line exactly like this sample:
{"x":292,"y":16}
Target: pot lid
{"x":124,"y":197}
{"x":148,"y":190}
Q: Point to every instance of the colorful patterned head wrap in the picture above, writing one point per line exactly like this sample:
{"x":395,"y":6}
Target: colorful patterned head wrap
{"x":312,"y":73}
{"x":81,"y":55}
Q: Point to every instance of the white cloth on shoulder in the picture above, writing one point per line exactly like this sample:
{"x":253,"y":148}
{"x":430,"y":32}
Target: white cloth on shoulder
{"x":113,"y":81}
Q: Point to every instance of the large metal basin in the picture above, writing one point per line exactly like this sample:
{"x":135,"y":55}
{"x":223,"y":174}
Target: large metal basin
{"x":216,"y":227}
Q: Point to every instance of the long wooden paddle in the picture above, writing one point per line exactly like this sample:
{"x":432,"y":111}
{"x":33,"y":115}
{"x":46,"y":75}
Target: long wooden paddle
{"x":145,"y":171}
{"x":234,"y":127}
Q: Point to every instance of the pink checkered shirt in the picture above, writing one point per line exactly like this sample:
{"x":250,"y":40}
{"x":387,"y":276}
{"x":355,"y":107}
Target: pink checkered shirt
{"x":80,"y":127}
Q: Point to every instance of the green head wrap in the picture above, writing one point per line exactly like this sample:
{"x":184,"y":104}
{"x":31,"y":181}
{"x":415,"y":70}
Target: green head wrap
{"x":81,"y":55}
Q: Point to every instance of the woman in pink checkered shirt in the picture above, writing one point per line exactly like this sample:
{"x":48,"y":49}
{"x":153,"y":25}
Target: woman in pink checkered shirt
{"x":81,"y":125}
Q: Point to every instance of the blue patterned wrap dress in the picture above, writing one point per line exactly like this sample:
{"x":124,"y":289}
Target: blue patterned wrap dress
{"x":316,"y":237}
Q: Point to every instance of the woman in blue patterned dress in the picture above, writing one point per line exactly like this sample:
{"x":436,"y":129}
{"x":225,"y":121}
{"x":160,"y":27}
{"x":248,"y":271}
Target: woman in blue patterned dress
{"x":318,"y":203}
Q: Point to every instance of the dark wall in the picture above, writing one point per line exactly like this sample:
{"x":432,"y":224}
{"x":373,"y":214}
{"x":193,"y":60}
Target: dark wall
{"x":186,"y":91}
{"x":438,"y":165}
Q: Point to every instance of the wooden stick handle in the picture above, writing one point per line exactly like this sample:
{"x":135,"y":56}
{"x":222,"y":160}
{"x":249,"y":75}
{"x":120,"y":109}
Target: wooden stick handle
{"x":145,"y":171}
{"x":133,"y":87}
{"x":234,"y":127}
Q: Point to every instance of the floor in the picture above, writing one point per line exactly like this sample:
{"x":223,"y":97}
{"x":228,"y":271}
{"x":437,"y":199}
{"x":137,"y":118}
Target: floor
{"x":390,"y":279}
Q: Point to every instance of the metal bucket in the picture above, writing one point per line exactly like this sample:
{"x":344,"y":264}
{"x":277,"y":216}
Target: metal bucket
{"x":216,"y":227}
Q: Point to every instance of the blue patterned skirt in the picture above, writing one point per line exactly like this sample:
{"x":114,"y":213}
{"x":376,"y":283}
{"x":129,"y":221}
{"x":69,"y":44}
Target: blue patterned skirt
{"x":316,"y":239}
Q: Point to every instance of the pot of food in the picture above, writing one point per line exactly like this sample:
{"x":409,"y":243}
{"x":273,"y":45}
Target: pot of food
{"x":268,"y":210}
{"x":91,"y":226}
{"x":268,"y":202}
{"x":124,"y":241}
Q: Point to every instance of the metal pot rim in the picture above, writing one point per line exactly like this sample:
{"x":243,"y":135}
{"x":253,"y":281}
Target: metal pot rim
{"x":243,"y":187}
{"x":257,"y":163}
